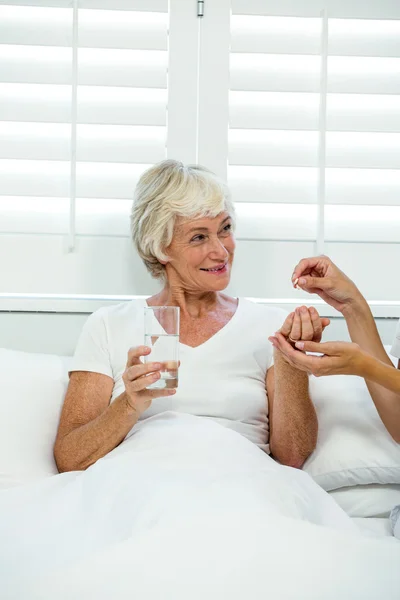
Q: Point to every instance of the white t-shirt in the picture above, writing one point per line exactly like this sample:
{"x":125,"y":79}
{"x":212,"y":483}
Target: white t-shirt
{"x":395,"y":351}
{"x":222,"y":379}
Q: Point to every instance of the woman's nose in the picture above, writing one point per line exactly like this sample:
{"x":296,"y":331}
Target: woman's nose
{"x":218,"y":249}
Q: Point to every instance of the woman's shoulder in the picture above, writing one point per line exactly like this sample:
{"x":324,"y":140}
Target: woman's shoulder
{"x":118,"y":313}
{"x":262,"y":310}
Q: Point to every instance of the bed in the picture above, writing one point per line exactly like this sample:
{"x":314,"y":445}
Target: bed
{"x":202,"y":530}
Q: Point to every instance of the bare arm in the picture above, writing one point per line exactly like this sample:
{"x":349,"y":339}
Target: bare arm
{"x":321,"y":276}
{"x":363,"y":331}
{"x":90,"y":426}
{"x":347,"y":358}
{"x":292,"y":417}
{"x":383,"y":382}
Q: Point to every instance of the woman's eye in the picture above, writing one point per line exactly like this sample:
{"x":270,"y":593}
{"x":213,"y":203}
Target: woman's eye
{"x":227,"y":228}
{"x":198,"y":238}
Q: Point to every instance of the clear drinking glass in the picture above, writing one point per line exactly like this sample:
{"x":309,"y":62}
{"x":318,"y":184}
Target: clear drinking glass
{"x":161,"y":334}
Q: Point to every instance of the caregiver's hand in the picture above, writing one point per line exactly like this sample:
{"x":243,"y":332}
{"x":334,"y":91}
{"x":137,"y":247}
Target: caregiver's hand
{"x":304,"y":324}
{"x":319,"y":275}
{"x":338,"y":357}
{"x":137,"y":376}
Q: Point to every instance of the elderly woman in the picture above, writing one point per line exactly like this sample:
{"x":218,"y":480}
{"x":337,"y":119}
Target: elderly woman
{"x":183,"y":227}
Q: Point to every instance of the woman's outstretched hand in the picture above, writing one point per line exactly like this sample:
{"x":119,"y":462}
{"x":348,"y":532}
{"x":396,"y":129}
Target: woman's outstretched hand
{"x":304,"y":324}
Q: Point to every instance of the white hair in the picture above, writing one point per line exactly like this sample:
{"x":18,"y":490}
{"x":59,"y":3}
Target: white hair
{"x":166,"y":191}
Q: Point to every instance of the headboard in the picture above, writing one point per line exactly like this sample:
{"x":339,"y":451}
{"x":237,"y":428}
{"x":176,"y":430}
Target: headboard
{"x":52,"y":324}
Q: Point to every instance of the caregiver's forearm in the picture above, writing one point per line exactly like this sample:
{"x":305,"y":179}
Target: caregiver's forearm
{"x":363,"y":331}
{"x":294,"y":425}
{"x":387,"y":401}
{"x":85,"y":444}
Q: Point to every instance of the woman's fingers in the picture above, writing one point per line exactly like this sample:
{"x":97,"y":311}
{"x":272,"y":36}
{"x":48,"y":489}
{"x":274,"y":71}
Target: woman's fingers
{"x":160,"y":393}
{"x":135,"y":353}
{"x":307,"y":329}
{"x":295,"y":333}
{"x":141,"y":383}
{"x":287,"y":326}
{"x":316,"y":324}
{"x":325,"y":322}
{"x":141,"y":369}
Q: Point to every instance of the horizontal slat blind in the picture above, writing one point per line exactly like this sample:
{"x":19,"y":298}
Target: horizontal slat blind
{"x":120,"y":111}
{"x":274,"y":117}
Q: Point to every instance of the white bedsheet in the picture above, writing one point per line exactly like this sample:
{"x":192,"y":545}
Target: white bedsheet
{"x":184,"y":509}
{"x":374,"y":526}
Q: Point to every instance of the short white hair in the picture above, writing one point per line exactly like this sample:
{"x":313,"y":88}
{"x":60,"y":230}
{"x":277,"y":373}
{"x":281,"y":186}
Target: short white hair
{"x":166,"y":191}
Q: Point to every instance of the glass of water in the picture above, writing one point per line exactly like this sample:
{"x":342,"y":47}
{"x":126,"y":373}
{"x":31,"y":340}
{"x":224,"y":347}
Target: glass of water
{"x":161,"y":334}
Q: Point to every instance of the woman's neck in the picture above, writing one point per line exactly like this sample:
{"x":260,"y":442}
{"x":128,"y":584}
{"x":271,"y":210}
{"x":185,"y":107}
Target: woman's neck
{"x":192,"y":305}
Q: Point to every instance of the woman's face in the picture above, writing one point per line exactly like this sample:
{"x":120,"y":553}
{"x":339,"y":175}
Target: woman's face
{"x":201,"y":253}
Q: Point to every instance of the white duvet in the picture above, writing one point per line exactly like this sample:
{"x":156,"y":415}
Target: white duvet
{"x":187,"y":509}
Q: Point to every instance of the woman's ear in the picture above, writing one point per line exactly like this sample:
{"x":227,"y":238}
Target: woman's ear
{"x":164,"y":262}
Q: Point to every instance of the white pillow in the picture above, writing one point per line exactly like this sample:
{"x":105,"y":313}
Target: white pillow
{"x":353,"y":446}
{"x":370,"y":501}
{"x":32,"y":389}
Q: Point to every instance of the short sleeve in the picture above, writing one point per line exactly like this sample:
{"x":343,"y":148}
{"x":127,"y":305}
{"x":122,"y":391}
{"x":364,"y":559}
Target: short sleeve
{"x":395,"y":351}
{"x":92,"y":351}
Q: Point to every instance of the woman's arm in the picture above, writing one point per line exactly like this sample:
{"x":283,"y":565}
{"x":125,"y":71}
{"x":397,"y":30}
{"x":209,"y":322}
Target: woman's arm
{"x":292,"y":418}
{"x":90,"y":427}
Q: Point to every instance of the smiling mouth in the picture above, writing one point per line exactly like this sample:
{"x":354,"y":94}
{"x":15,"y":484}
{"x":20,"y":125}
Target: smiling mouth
{"x":215,"y":269}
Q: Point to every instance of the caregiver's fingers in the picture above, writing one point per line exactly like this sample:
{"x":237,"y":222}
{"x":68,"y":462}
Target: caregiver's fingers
{"x":327,"y":348}
{"x":318,"y":265}
{"x":304,"y":267}
{"x":287,"y":326}
{"x":294,"y":357}
{"x":307,"y":329}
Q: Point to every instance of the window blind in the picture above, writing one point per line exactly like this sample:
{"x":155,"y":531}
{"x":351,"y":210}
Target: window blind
{"x":83,"y":101}
{"x":275,"y":120}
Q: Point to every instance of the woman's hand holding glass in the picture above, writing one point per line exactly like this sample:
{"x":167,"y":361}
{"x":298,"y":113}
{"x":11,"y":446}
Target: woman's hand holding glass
{"x":138,"y":376}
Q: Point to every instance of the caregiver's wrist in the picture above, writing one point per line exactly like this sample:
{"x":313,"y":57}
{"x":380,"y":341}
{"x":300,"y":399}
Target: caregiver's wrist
{"x":365,"y":364}
{"x":356,"y":308}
